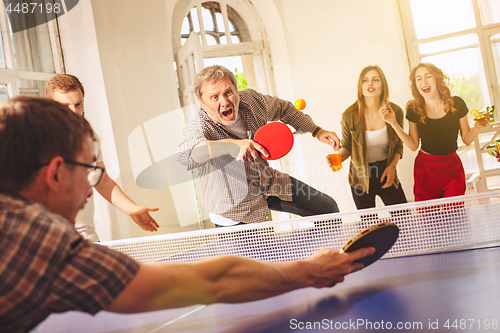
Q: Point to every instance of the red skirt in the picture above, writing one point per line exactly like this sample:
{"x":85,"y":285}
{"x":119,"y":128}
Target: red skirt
{"x":438,"y":176}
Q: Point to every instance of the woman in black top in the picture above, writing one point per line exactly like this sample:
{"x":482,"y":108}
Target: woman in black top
{"x":435,"y":119}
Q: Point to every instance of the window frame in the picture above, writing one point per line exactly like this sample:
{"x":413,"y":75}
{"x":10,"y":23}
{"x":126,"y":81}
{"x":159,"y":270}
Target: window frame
{"x":10,"y":75}
{"x":229,"y":16}
{"x":224,"y":11}
{"x":483,"y":33}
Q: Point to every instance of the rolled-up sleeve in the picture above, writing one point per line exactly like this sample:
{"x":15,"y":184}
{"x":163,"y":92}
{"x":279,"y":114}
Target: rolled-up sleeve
{"x":48,"y":267}
{"x":274,"y":109}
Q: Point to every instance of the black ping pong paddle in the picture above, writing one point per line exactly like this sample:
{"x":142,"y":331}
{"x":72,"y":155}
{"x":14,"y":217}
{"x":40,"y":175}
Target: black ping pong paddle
{"x":381,"y":236}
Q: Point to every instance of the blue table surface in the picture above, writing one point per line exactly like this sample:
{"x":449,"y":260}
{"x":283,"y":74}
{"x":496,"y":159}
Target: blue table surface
{"x":445,"y":292}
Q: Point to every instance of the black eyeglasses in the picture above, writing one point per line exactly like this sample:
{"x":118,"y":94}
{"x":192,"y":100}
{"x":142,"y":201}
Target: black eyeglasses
{"x":94,"y":173}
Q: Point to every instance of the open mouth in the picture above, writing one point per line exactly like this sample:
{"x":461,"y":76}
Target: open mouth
{"x":371,"y":89}
{"x":426,"y":89}
{"x":228,"y":114}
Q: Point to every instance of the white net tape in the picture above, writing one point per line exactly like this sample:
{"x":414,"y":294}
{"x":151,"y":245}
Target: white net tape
{"x":425,"y":227}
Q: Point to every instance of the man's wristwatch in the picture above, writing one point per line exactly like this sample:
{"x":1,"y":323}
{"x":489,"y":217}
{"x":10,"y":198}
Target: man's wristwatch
{"x":315,"y":131}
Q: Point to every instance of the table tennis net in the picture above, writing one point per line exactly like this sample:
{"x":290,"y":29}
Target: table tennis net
{"x":425,"y":227}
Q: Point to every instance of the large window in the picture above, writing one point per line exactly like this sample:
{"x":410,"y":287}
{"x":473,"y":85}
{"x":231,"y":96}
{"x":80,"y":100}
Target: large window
{"x":462,"y":37}
{"x":28,"y":58}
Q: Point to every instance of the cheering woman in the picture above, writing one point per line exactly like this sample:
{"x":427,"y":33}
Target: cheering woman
{"x":435,"y":120}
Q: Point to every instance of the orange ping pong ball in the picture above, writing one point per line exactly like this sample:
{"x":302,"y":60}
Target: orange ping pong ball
{"x":300,"y":104}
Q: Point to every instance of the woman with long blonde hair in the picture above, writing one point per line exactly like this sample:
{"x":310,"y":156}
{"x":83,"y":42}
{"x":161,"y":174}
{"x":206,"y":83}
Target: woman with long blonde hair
{"x":374,"y":148}
{"x":435,"y":120}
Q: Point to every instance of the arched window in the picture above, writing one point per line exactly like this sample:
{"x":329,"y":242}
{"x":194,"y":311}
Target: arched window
{"x":214,"y":32}
{"x":216,"y":24}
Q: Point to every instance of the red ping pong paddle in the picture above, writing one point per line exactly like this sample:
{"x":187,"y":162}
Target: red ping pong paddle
{"x":276,"y":137}
{"x":381,"y":236}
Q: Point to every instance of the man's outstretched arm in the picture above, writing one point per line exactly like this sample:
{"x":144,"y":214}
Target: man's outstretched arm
{"x":231,"y":279}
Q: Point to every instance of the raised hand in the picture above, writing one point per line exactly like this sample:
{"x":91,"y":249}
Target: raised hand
{"x":388,"y":114}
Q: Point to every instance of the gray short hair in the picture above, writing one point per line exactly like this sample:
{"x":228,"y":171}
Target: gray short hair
{"x":212,"y":74}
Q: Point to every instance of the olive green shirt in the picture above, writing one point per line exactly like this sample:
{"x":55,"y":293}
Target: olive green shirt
{"x":354,"y":140}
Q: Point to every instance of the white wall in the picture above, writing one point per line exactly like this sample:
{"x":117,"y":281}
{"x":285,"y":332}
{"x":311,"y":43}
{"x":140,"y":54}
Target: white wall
{"x":122,"y":52}
{"x":81,"y":58}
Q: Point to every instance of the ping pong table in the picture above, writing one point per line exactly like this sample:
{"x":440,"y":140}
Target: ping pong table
{"x":454,"y":289}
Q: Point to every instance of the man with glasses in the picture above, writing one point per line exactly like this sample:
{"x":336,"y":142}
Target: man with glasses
{"x":94,"y":173}
{"x":68,"y":90}
{"x":46,"y":174}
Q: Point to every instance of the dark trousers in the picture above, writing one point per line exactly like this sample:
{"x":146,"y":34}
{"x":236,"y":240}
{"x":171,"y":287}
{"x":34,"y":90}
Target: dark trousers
{"x":306,"y":201}
{"x":390,"y":195}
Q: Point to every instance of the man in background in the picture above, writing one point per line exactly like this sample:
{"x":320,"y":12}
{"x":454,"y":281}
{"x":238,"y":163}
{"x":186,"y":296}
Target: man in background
{"x":68,"y":90}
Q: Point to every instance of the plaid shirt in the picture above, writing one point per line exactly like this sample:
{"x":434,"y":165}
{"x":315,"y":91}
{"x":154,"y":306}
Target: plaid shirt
{"x":46,"y":266}
{"x":235,"y":189}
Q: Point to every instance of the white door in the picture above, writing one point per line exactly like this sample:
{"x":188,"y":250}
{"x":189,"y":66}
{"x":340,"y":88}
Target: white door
{"x":189,"y":62}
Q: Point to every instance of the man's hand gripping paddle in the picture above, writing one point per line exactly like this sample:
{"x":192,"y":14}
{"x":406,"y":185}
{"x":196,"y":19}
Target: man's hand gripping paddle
{"x":276,"y":138}
{"x":381,"y":236}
